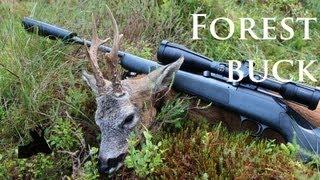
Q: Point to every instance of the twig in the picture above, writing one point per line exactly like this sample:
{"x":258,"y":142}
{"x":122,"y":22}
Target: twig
{"x":201,"y":107}
{"x":12,"y":73}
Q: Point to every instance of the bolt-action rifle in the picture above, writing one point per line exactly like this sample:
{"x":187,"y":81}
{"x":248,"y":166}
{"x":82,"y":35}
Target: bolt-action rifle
{"x":262,"y":102}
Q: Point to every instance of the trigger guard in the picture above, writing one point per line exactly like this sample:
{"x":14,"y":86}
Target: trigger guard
{"x":261,"y":127}
{"x":243,"y":119}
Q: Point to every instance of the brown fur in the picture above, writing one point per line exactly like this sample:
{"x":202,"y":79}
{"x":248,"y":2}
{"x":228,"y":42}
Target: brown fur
{"x":141,"y":97}
{"x":312,"y":116}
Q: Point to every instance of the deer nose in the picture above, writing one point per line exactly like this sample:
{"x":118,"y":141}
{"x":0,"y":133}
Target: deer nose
{"x":102,"y":167}
{"x":110,"y":165}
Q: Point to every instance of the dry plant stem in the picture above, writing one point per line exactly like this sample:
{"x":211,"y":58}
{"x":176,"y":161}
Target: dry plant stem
{"x":201,"y":107}
{"x":77,"y":160}
{"x":9,"y":71}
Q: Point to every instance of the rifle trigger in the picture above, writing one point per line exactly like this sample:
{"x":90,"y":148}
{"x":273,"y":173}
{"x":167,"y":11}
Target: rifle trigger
{"x":261,"y":129}
{"x":242,"y":119}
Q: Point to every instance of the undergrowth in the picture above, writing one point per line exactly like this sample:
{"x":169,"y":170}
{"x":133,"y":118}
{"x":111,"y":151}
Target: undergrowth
{"x":201,"y":150}
{"x":146,"y":160}
{"x":173,"y":113}
{"x":205,"y":150}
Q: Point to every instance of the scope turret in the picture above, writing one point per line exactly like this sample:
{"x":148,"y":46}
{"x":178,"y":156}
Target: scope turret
{"x":197,"y":63}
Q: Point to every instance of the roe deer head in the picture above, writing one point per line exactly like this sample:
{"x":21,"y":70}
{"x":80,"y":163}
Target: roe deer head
{"x":123,"y":106}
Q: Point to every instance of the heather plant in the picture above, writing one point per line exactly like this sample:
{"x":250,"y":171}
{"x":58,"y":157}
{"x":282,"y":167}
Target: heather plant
{"x":174,"y":112}
{"x":207,"y":150}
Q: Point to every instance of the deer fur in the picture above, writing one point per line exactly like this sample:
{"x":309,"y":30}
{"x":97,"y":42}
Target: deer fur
{"x":123,"y":106}
{"x":312,"y":116}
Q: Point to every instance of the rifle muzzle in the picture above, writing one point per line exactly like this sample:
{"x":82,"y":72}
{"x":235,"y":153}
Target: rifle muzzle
{"x":47,"y":30}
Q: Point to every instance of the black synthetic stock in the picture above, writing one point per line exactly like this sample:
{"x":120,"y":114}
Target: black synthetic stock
{"x":195,"y":63}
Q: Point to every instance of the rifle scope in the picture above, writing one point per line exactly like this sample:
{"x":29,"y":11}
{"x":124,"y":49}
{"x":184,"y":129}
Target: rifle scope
{"x":196,"y":63}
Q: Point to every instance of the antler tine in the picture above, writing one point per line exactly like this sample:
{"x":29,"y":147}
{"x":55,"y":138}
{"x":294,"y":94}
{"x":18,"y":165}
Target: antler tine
{"x":92,"y":54}
{"x":95,"y":37}
{"x":112,"y":57}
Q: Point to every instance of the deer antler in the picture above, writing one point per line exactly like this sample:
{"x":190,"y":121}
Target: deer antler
{"x":112,"y":58}
{"x":92,"y":54}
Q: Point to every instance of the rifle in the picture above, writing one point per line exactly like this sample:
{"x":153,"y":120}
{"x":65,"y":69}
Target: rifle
{"x":247,"y":98}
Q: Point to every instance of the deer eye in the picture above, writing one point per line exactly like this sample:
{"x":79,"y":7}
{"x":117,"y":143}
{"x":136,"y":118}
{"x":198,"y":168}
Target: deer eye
{"x":129,"y":119}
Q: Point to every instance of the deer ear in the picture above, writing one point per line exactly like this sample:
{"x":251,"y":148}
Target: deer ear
{"x":162,"y":77}
{"x":90,"y":80}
